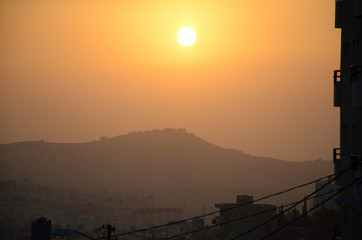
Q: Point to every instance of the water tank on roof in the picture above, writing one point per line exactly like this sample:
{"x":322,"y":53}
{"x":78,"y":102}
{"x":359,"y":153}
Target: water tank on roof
{"x":244,"y":199}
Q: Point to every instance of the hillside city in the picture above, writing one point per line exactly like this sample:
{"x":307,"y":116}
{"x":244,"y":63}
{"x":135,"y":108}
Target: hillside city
{"x":24,"y":204}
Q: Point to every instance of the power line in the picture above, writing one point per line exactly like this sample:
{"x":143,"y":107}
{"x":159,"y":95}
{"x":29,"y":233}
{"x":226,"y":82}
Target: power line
{"x":269,"y":220}
{"x":333,"y":227}
{"x":310,"y":210}
{"x":291,"y":207}
{"x":245,"y":217}
{"x":228,"y":209}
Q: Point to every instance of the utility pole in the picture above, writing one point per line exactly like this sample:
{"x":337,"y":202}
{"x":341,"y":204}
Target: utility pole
{"x":107,"y":230}
{"x":110,"y":229}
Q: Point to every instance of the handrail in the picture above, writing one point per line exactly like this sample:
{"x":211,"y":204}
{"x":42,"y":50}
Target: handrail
{"x":336,"y":154}
{"x":337,"y":76}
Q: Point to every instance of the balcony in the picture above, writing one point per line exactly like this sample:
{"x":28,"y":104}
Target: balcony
{"x":336,"y":154}
{"x":337,"y":162}
{"x":337,"y":88}
{"x":356,"y":79}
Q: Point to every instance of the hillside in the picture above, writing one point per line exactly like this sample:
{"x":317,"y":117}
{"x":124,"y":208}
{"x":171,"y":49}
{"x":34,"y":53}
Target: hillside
{"x":169,"y":161}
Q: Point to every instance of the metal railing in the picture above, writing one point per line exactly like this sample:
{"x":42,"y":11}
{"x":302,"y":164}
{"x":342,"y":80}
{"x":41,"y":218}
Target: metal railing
{"x":336,"y":76}
{"x":337,"y":88}
{"x":336,"y":154}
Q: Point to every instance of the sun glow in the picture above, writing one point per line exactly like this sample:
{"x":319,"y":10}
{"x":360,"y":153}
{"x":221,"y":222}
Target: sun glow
{"x":186,"y":36}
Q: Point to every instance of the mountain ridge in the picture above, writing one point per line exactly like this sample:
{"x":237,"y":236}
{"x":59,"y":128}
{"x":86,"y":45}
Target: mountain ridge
{"x":157,"y":160}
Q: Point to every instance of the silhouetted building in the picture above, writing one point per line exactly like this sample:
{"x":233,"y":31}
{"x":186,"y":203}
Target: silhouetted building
{"x":41,"y":229}
{"x":326,"y":192}
{"x":149,"y":217}
{"x":146,"y":217}
{"x":241,"y":210}
{"x":348,"y":96}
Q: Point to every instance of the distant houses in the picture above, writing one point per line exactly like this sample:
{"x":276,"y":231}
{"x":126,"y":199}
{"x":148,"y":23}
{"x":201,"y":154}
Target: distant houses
{"x":324,"y":193}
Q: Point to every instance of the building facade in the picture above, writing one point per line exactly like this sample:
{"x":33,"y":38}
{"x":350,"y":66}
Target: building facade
{"x":324,"y":193}
{"x":147,"y":217}
{"x":231,"y":227}
{"x":348,"y":97}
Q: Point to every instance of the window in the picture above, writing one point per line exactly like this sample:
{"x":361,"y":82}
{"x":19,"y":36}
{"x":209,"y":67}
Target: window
{"x":355,"y":51}
{"x":344,"y":139}
{"x":355,"y":139}
{"x":345,"y":61}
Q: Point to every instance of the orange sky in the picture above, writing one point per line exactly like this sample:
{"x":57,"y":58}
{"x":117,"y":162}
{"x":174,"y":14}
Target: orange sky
{"x":258,"y":78}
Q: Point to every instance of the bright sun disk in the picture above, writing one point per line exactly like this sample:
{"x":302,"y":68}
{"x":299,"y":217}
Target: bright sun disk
{"x":186,"y":36}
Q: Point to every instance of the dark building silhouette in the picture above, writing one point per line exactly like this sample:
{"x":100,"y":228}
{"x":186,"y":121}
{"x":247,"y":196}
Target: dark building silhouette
{"x":348,"y":96}
{"x":40,"y":229}
{"x":243,"y":207}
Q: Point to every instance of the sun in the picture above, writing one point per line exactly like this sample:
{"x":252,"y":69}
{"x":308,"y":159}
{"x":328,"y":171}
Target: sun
{"x":186,"y":36}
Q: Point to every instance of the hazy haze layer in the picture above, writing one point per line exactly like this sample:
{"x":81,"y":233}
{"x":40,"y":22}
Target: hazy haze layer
{"x":258,"y":78}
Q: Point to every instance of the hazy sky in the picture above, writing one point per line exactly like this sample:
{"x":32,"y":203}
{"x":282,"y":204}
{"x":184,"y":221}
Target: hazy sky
{"x":258,"y":78}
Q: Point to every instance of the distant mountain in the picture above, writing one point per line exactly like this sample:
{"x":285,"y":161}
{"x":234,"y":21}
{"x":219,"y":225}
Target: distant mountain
{"x":167,"y":160}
